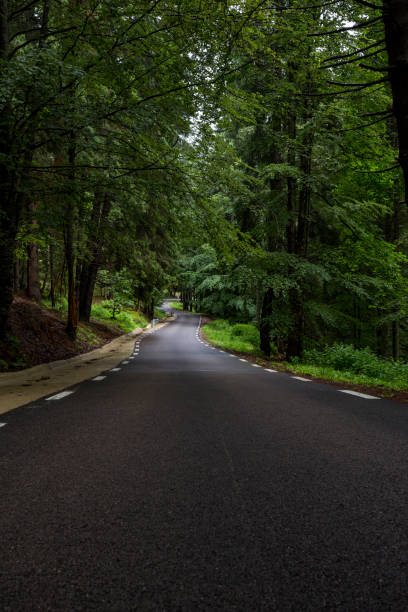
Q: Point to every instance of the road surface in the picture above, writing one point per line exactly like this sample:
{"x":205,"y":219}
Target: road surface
{"x":190,"y":480}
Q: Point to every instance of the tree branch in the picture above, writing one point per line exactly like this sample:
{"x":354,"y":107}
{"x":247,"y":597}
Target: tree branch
{"x":358,"y":26}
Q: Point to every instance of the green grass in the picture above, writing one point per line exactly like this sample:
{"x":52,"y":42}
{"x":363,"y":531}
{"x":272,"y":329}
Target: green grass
{"x":362,"y":366}
{"x":126,"y":319}
{"x":159,"y":314}
{"x":240,"y":337}
{"x":338,"y":363}
{"x":84,"y":334}
{"x":61,"y":304}
{"x":339,"y":376}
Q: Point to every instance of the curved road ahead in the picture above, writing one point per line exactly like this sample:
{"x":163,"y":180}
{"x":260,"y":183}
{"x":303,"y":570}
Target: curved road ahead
{"x":190,"y":480}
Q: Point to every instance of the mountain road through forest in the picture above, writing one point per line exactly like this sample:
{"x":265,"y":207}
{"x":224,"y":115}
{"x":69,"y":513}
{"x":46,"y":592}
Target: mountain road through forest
{"x":187,"y":479}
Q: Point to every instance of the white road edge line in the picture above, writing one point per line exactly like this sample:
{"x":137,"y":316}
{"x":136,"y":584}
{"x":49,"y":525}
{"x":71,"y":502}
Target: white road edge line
{"x":255,"y":365}
{"x":98,"y":378}
{"x":3,"y":424}
{"x":302,"y":379}
{"x":115,"y":370}
{"x":243,"y":360}
{"x":363,"y":395}
{"x":125,"y":362}
{"x":59,"y":396}
{"x":268,"y":370}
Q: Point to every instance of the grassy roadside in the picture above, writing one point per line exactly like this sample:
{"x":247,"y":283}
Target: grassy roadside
{"x":357,"y":369}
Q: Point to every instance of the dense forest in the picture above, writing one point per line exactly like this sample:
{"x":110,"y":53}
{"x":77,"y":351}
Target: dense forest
{"x":250,"y":155}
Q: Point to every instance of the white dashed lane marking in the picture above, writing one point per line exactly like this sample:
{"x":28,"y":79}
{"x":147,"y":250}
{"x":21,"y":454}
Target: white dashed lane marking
{"x":256,"y":365}
{"x":115,"y":369}
{"x":3,"y":424}
{"x":98,"y":378}
{"x":59,"y":396}
{"x":363,"y":395}
{"x":125,"y":362}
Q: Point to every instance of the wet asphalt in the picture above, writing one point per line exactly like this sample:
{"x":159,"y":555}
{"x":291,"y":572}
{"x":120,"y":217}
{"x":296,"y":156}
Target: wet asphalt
{"x":190,"y":480}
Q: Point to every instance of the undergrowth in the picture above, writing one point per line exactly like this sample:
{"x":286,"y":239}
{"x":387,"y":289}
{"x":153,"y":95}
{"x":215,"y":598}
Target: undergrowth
{"x":337,"y":363}
{"x":240,"y":337}
{"x":356,"y":365}
{"x":125,"y":319}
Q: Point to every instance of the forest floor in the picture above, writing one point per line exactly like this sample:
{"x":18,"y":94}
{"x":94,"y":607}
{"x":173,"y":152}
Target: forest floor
{"x":37,"y":335}
{"x":397,"y":395}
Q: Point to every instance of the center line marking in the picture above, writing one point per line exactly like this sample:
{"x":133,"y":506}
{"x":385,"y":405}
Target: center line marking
{"x":59,"y":396}
{"x":363,"y":395}
{"x":302,"y":379}
{"x":98,"y":378}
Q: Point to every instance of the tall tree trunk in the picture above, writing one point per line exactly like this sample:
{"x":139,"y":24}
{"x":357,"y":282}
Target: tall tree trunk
{"x":52,"y":279}
{"x":8,"y":218}
{"x":33,"y":275}
{"x":100,"y":213}
{"x":395,"y":15}
{"x":296,"y":333}
{"x":265,"y":324}
{"x":72,"y":321}
{"x":276,"y":187}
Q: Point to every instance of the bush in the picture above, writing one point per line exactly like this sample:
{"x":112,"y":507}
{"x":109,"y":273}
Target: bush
{"x":241,"y":337}
{"x":246,"y":331}
{"x":99,"y":312}
{"x":61,"y":303}
{"x":346,"y":358}
{"x":125,"y":320}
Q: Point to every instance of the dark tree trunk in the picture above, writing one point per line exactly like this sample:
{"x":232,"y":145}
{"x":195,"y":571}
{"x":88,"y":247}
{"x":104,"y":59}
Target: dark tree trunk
{"x":100,"y":212}
{"x":33,"y":274}
{"x":52,"y":280}
{"x":296,"y":334}
{"x":265,"y":325}
{"x":8,"y":213}
{"x":276,"y":187}
{"x":72,"y":321}
{"x":395,"y":14}
{"x":395,"y":340}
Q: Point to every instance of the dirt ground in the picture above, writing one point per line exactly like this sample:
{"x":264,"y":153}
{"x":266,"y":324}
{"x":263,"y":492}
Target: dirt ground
{"x":37,"y":335}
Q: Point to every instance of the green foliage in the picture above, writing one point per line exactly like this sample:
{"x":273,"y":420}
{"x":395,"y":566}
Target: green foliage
{"x":100,"y":312}
{"x":159,"y":313}
{"x":138,"y":319}
{"x":240,"y":337}
{"x":125,"y":319}
{"x":61,"y":303}
{"x":346,"y":358}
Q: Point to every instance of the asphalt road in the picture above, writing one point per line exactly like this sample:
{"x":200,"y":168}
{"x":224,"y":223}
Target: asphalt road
{"x":189,"y":480}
